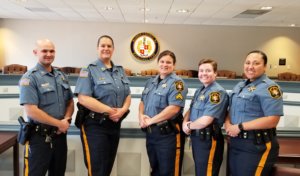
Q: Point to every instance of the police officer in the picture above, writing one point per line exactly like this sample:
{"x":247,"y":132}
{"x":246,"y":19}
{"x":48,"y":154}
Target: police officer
{"x":48,"y":101}
{"x":255,"y":108}
{"x":204,"y":119}
{"x":103,"y":88}
{"x":160,"y":112}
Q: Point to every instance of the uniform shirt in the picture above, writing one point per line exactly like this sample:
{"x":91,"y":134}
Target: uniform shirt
{"x":110,"y":87}
{"x":158,"y":95}
{"x":210,"y":101}
{"x":49,"y":91}
{"x":259,"y":98}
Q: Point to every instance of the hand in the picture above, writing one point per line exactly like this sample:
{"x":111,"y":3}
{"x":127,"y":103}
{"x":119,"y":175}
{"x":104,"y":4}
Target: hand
{"x":185,"y":128}
{"x":142,"y":121}
{"x":232,"y":130}
{"x":63,"y":126}
{"x":148,"y":121}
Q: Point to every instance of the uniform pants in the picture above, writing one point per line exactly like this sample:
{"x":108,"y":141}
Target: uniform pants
{"x":249,"y":159}
{"x":208,"y":155}
{"x":164,"y":151}
{"x":100,"y":144}
{"x":39,"y":157}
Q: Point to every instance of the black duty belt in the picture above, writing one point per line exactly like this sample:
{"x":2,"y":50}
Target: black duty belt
{"x":44,"y":130}
{"x":208,"y":132}
{"x":259,"y":136}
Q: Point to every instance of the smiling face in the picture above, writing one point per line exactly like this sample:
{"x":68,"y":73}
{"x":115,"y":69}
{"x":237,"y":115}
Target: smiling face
{"x":254,"y":66}
{"x":105,"y":48}
{"x":166,"y":65}
{"x":206,"y":74}
{"x":45,"y":52}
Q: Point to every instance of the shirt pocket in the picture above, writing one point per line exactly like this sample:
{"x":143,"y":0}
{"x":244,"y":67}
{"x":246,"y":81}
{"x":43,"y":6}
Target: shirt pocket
{"x":197,"y":109}
{"x":66,"y":91}
{"x":103,"y":88}
{"x":126,"y":83}
{"x":48,"y":95}
{"x":160,"y":99}
{"x":250,"y":104}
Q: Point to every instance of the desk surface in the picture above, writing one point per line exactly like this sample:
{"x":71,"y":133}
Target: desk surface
{"x":7,"y":140}
{"x":289,"y":151}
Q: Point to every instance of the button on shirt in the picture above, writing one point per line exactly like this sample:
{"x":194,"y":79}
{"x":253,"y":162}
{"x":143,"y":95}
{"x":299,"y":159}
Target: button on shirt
{"x":158,"y":95}
{"x":49,"y":91}
{"x":110,"y":87}
{"x":255,"y":100}
{"x":210,"y":101}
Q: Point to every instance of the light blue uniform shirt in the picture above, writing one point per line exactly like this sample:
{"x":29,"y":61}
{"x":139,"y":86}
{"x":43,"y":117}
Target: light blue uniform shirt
{"x":259,"y":98}
{"x":108,"y":87}
{"x":49,"y":91}
{"x":157,"y":96}
{"x":210,"y":101}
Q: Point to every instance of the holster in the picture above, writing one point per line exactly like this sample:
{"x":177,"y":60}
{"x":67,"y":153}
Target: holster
{"x":24,"y":132}
{"x":81,"y":114}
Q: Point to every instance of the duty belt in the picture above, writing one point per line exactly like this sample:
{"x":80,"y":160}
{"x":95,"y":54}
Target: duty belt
{"x":49,"y":132}
{"x":208,"y":132}
{"x":259,"y":136}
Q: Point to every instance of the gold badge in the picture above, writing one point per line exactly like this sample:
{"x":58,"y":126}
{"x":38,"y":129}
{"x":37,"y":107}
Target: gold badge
{"x":179,"y":86}
{"x":24,"y":82}
{"x":164,"y":85}
{"x":251,"y":89}
{"x":215,"y":97}
{"x":274,"y":92}
{"x":179,"y":96}
{"x":83,"y":74}
{"x":201,"y":97}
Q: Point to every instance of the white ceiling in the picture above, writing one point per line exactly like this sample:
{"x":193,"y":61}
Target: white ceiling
{"x":201,"y":12}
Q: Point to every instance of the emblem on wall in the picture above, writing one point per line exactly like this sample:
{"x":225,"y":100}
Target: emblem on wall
{"x":144,"y":46}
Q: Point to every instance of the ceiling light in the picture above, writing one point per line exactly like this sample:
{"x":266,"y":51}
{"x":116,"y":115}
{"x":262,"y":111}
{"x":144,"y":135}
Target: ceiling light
{"x":108,"y":8}
{"x":293,"y":25}
{"x":182,"y":11}
{"x":266,"y":8}
{"x":144,"y":9}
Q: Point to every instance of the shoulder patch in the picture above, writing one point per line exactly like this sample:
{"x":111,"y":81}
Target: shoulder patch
{"x":215,"y":97}
{"x":179,"y":96}
{"x":179,"y":86}
{"x":275,"y":92}
{"x":83,"y":74}
{"x":24,"y":82}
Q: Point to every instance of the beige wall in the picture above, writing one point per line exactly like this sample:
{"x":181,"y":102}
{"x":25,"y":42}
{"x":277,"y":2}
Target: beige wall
{"x":76,"y":43}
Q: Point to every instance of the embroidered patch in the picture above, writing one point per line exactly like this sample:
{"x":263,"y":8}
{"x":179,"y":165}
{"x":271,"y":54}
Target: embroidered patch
{"x":179,"y":86}
{"x":179,"y":96}
{"x":83,"y":74}
{"x":24,"y":82}
{"x":215,"y":97}
{"x":274,"y":92}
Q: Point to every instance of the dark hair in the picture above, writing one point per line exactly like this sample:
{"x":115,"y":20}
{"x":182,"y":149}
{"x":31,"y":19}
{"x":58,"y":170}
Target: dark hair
{"x":209,"y":61}
{"x":167,"y":53}
{"x":264,"y":56}
{"x":105,"y":36}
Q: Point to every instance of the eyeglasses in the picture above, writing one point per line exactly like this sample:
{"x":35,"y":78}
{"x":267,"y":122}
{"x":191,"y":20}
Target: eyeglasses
{"x":46,"y":51}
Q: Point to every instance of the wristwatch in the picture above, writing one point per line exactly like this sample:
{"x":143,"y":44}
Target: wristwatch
{"x":188,"y":125}
{"x":241,"y":127}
